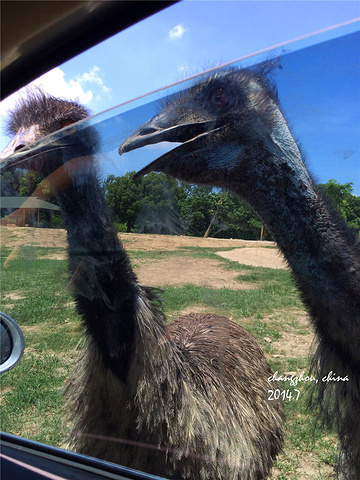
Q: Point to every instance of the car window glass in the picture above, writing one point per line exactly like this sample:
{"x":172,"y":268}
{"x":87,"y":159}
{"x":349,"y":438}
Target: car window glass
{"x":318,"y":91}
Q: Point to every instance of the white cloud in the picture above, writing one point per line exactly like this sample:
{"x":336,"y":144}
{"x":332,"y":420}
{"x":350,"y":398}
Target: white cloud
{"x":54,"y":83}
{"x":83,"y":88}
{"x":92,"y":76}
{"x":177,"y":32}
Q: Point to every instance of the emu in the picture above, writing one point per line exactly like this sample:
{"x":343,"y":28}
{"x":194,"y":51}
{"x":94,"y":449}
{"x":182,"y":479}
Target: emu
{"x":234,"y":136}
{"x":185,"y":400}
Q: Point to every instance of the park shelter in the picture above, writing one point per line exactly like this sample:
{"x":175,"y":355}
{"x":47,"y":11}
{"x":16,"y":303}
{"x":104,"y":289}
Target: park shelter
{"x":22,"y":211}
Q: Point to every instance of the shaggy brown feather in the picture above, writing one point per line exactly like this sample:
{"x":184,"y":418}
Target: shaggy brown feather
{"x":204,"y":386}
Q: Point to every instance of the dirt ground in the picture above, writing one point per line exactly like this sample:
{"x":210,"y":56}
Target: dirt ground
{"x":161,"y":272}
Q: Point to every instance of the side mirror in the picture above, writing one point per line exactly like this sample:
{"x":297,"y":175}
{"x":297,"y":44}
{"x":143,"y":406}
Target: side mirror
{"x":12,"y":342}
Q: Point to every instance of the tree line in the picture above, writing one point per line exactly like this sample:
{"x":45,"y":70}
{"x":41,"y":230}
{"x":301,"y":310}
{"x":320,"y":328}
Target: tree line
{"x":160,"y":204}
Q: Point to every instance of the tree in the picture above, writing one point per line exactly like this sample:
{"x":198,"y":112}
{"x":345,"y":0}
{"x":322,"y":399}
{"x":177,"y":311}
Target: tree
{"x":340,"y":195}
{"x":123,"y":197}
{"x":343,"y":199}
{"x":148,"y":205}
{"x":19,"y":183}
{"x":195,"y":209}
{"x":160,"y":198}
{"x":160,"y":204}
{"x":225,"y":213}
{"x":353,"y":216}
{"x":237,"y":220}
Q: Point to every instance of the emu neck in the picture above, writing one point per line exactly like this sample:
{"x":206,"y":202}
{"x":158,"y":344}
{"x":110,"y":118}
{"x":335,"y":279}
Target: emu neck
{"x":87,"y":220}
{"x":324,"y":254}
{"x":105,"y":287}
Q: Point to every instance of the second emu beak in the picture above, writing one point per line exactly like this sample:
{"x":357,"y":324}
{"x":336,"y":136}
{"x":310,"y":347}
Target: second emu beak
{"x":22,"y":139}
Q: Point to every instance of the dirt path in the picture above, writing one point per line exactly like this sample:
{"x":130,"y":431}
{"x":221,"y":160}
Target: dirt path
{"x":183,"y":270}
{"x":256,"y":256}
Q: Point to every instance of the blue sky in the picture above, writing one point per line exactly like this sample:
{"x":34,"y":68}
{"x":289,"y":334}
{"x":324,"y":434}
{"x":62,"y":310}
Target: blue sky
{"x":195,"y":35}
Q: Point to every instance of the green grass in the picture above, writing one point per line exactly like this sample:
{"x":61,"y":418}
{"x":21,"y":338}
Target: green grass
{"x":31,"y":398}
{"x":34,"y":291}
{"x":275,"y":291}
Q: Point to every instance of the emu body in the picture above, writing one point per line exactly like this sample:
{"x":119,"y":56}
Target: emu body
{"x":185,"y":400}
{"x":234,"y":136}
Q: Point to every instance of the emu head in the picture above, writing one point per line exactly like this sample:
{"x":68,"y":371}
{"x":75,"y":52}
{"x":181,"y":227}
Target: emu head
{"x":231,"y":129}
{"x":34,"y":118}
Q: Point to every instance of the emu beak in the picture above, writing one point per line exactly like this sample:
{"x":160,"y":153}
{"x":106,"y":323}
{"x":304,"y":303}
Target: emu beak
{"x":160,"y":129}
{"x":24,"y":138}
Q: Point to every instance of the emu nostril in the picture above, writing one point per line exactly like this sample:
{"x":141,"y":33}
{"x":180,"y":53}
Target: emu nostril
{"x":19,"y":147}
{"x":148,"y":131}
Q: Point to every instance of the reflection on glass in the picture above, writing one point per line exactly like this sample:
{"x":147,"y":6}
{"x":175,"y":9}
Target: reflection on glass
{"x":135,"y":398}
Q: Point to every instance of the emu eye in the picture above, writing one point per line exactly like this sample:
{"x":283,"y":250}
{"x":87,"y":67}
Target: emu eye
{"x":218,"y":98}
{"x":66,"y":123}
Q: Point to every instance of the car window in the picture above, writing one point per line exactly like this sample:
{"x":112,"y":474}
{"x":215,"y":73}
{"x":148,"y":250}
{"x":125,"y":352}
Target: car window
{"x":206,"y":251}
